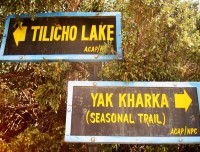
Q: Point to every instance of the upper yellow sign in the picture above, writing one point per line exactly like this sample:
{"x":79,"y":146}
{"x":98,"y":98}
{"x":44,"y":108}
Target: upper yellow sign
{"x":63,"y":36}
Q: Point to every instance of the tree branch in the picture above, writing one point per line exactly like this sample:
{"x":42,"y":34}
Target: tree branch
{"x":22,"y":107}
{"x":18,"y":74}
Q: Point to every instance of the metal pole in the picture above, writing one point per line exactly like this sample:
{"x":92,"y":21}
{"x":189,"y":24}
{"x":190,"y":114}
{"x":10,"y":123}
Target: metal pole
{"x":93,"y":148}
{"x":94,"y":69}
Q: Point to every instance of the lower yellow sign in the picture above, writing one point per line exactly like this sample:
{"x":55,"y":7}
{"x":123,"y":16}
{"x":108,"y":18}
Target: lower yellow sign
{"x":134,"y":111}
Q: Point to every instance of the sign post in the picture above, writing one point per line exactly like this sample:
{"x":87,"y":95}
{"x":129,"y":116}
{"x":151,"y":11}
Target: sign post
{"x":139,"y":112}
{"x":63,"y":36}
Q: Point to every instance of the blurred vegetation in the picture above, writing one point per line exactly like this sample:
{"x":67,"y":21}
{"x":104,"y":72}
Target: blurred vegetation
{"x":160,"y":43}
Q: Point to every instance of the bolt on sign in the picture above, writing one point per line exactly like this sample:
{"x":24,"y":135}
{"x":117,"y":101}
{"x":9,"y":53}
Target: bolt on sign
{"x":135,"y":112}
{"x":63,"y":36}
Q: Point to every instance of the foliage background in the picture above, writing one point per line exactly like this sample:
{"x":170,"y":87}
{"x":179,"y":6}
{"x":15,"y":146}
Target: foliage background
{"x":160,"y":43}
